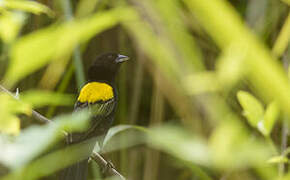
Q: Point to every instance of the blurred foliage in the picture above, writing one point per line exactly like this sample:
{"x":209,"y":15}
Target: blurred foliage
{"x":254,"y":112}
{"x":205,"y":95}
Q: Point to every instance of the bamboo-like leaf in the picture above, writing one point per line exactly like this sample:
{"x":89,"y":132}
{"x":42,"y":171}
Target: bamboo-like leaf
{"x":9,"y":108}
{"x":35,"y":50}
{"x":35,"y":139}
{"x":180,"y":144}
{"x":253,"y":109}
{"x":233,"y":148}
{"x":271,"y":116}
{"x":282,"y":41}
{"x":10,"y":25}
{"x":28,"y":6}
{"x":226,"y":27}
{"x":278,"y":159}
{"x":114,"y":131}
{"x":42,"y":98}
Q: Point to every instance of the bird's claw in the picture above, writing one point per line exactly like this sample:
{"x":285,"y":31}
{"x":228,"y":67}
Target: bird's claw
{"x":108,"y":166}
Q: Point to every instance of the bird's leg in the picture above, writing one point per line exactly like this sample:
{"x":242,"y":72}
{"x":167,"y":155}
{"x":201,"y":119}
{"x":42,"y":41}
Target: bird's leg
{"x":109,"y":165}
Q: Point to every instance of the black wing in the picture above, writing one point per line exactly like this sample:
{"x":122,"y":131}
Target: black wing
{"x":102,"y":117}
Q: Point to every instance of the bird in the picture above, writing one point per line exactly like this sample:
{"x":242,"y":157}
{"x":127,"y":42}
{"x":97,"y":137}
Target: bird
{"x":99,"y":95}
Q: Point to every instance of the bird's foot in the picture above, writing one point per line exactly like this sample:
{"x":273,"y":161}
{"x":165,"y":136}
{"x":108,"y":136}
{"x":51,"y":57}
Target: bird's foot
{"x":108,"y":166}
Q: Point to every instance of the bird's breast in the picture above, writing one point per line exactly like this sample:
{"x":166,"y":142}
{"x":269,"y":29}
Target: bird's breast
{"x":93,"y":92}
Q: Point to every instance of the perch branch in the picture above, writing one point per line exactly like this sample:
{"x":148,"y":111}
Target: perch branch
{"x":95,"y":156}
{"x":106,"y":165}
{"x":35,"y":114}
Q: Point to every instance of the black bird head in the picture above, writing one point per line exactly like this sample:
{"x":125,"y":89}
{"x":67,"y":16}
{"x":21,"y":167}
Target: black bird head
{"x":105,"y":67}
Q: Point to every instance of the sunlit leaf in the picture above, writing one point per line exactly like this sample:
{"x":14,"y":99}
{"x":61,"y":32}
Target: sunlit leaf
{"x":133,"y":135}
{"x":233,"y":148}
{"x":289,"y":72}
{"x":282,"y":41}
{"x":176,"y":30}
{"x":278,"y":159}
{"x":225,"y":26}
{"x":179,"y":143}
{"x":229,"y":65}
{"x":271,"y":116}
{"x":35,"y":50}
{"x":12,"y":126}
{"x":9,"y":108}
{"x":10,"y":24}
{"x":202,"y":82}
{"x":152,"y":45}
{"x":51,"y":163}
{"x":117,"y":129}
{"x":35,"y":139}
{"x":85,"y":7}
{"x":253,"y":109}
{"x":286,"y":1}
{"x":42,"y":98}
{"x":28,"y":6}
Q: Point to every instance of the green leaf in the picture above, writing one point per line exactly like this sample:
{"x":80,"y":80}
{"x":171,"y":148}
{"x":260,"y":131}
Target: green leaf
{"x":287,"y":2}
{"x":289,"y":72}
{"x":9,"y":108}
{"x":10,"y":24}
{"x":253,"y":109}
{"x":282,"y":40}
{"x":229,"y":65}
{"x":271,"y":116}
{"x":233,"y":148}
{"x":206,"y":81}
{"x":278,"y":159}
{"x":179,"y":143}
{"x":42,"y":98}
{"x":51,"y":162}
{"x":226,"y":27}
{"x":36,"y":139}
{"x":113,"y":131}
{"x":35,"y":50}
{"x":28,"y":6}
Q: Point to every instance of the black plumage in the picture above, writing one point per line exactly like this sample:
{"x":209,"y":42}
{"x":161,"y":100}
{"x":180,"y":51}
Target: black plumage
{"x":103,"y":70}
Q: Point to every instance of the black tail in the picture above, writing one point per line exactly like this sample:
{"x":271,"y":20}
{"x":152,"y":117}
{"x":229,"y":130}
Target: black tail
{"x":79,"y":170}
{"x":76,"y":171}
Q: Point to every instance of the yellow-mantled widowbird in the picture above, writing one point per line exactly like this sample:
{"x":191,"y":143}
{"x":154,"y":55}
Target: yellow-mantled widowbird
{"x":100,"y":96}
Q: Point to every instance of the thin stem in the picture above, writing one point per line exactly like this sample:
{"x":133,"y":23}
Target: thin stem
{"x":104,"y":164}
{"x":62,"y":87}
{"x":285,"y":131}
{"x":157,"y":114}
{"x":77,"y":59}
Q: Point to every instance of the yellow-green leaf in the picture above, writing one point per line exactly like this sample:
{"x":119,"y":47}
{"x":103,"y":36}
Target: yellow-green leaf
{"x":12,"y":126}
{"x":9,"y":108}
{"x":10,"y":24}
{"x":28,"y":6}
{"x":253,"y":109}
{"x":278,"y":159}
{"x":42,"y":98}
{"x":35,"y":50}
{"x":271,"y":116}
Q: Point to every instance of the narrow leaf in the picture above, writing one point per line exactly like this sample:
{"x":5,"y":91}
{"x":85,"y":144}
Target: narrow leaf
{"x":253,"y":109}
{"x":278,"y":159}
{"x":271,"y":116}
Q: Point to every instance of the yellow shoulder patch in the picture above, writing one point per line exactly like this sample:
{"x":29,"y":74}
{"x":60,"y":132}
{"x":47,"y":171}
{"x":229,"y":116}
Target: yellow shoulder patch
{"x":95,"y":91}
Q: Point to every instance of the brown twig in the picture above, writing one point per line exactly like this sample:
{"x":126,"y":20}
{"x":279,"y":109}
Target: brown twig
{"x":35,"y":114}
{"x":95,"y":156}
{"x":106,"y":165}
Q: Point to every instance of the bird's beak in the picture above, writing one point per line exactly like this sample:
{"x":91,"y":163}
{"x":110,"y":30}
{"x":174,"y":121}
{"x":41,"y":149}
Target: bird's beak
{"x":122,"y":58}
